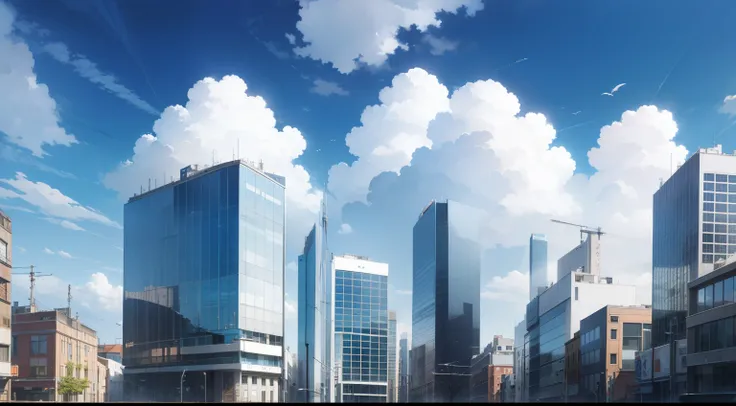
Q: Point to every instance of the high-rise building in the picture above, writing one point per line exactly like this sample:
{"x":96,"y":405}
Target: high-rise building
{"x":537,"y":264}
{"x":694,"y":226}
{"x":315,"y":277}
{"x":404,"y":368}
{"x":445,"y":301}
{"x":360,"y":350}
{"x":204,"y":287}
{"x":393,"y":373}
{"x":6,"y":265}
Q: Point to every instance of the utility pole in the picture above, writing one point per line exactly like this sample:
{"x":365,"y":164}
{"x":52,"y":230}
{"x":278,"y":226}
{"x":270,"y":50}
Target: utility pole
{"x":33,"y":276}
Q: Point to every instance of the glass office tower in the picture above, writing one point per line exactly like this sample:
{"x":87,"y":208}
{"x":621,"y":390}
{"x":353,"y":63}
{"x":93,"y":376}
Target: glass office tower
{"x":537,"y":264}
{"x":393,"y":377}
{"x":404,"y":368}
{"x":314,"y":318}
{"x":445,"y":302}
{"x":694,"y":226}
{"x":203,"y":287}
{"x":360,"y":347}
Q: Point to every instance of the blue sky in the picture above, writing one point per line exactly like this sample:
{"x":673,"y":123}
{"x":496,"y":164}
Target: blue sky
{"x":451,"y":122}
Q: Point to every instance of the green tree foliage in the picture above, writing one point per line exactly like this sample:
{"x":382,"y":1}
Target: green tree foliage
{"x":69,"y":385}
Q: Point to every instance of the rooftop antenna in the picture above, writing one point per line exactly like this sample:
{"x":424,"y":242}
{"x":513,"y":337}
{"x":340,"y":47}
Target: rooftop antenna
{"x":149,"y":184}
{"x":33,"y":276}
{"x":155,"y":183}
{"x":69,"y":300}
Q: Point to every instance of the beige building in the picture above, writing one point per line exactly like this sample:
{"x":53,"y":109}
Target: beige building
{"x":6,"y":250}
{"x":45,"y":342}
{"x":100,"y":381}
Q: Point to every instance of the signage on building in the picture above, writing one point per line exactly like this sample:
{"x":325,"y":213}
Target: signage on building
{"x":644,"y":366}
{"x":681,"y":357}
{"x":661,"y":362}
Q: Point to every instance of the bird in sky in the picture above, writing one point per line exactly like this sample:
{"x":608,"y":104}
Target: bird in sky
{"x":615,"y":89}
{"x":576,"y":113}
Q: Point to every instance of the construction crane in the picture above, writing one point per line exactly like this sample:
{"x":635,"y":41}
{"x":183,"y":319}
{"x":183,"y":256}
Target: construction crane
{"x":583,"y":229}
{"x":33,"y":276}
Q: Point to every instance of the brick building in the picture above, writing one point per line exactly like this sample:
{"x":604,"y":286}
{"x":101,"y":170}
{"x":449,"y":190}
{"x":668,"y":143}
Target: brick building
{"x":488,"y":368}
{"x":6,"y":249}
{"x":43,"y":343}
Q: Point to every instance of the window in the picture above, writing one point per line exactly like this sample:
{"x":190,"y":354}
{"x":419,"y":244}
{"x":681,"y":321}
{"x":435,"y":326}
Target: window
{"x":613,"y":360}
{"x":38,"y":345}
{"x":38,"y":367}
{"x":576,"y":293}
{"x":69,"y":351}
{"x":271,"y":383}
{"x":253,"y":380}
{"x":614,"y":319}
{"x":613,"y":334}
{"x":727,"y":291}
{"x":263,"y":396}
{"x":718,"y":294}
{"x":509,"y":348}
{"x":4,"y":353}
{"x":3,"y":251}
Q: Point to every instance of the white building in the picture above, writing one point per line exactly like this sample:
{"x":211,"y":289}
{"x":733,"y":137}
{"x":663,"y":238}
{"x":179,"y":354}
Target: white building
{"x":360,"y":330}
{"x":114,"y":380}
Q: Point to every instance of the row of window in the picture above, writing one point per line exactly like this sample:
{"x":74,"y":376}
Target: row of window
{"x":719,"y":207}
{"x":339,"y":274}
{"x":715,"y":335}
{"x":716,"y":294}
{"x":719,"y":218}
{"x":591,"y":336}
{"x":719,"y":197}
{"x":716,"y":177}
{"x":718,"y":248}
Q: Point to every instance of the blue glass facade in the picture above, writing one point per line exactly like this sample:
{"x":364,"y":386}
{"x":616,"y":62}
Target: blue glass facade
{"x":361,"y":335}
{"x":445,"y":301}
{"x":675,"y":249}
{"x":314,"y":315}
{"x":537,"y":263}
{"x":204,"y":263}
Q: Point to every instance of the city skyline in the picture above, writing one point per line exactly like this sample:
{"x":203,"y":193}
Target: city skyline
{"x":108,"y":98}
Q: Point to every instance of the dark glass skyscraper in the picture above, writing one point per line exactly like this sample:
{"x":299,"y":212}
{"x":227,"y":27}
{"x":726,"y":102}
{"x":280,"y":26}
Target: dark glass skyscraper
{"x":445,"y":301}
{"x":315,"y":296}
{"x":404,"y":368}
{"x":360,"y":330}
{"x":203,"y":287}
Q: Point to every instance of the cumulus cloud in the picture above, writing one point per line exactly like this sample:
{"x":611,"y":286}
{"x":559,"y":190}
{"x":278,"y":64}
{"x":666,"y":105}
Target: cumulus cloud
{"x":348,"y":34}
{"x":28,"y":115}
{"x":65,"y":254}
{"x":89,"y":70}
{"x":105,"y":294}
{"x":48,"y":251}
{"x":481,"y":150}
{"x":50,"y":201}
{"x":326,"y":88}
{"x":291,"y":38}
{"x":389,"y":133}
{"x":439,"y":45}
{"x":345,"y":228}
{"x":219,"y":116}
{"x":729,"y":105}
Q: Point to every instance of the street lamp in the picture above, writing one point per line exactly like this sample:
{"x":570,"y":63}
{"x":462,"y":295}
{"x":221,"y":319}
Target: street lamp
{"x":181,"y":387}
{"x":205,"y":387}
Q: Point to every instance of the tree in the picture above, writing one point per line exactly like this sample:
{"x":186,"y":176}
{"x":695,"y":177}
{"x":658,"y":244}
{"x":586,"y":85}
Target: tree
{"x":69,"y":385}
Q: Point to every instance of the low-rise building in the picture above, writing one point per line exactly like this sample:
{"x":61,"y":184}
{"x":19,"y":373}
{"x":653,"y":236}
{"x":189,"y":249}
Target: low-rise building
{"x":47,"y":346}
{"x":113,"y":379}
{"x":6,"y":250}
{"x":111,"y":351}
{"x":488,"y":368}
{"x":711,"y":341}
{"x":100,"y":381}
{"x":609,"y":341}
{"x":507,"y":392}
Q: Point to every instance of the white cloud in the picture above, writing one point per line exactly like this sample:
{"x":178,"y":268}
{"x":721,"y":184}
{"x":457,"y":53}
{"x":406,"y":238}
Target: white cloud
{"x":389,"y":134}
{"x":218,"y":116}
{"x":326,"y":88}
{"x":290,"y":307}
{"x":48,"y":251}
{"x":28,"y":114}
{"x":105,"y":294}
{"x":512,"y":288}
{"x":65,"y":254}
{"x":291,"y":38}
{"x":51,"y":201}
{"x":20,"y":249}
{"x":729,"y":105}
{"x":292,"y":266}
{"x":439,"y":45}
{"x":89,"y":70}
{"x":345,"y":228}
{"x":403,"y":291}
{"x":348,"y":34}
{"x":65,"y":223}
{"x":481,"y":151}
